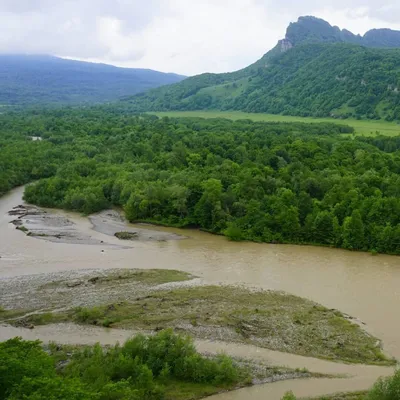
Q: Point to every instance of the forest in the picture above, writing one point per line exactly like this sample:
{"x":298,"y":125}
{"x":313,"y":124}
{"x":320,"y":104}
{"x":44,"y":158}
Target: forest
{"x":265,"y":182}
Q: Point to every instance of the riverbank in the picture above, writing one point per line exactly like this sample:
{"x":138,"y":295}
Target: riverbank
{"x":337,"y":279}
{"x":47,"y":225}
{"x":351,"y":377}
{"x":153,"y":300}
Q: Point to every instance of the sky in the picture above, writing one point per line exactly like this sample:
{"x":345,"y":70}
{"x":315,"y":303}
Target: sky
{"x":182,"y":36}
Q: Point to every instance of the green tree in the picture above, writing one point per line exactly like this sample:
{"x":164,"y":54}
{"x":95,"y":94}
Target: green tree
{"x":21,"y":360}
{"x":323,"y":228}
{"x":209,"y":208}
{"x":353,"y":232}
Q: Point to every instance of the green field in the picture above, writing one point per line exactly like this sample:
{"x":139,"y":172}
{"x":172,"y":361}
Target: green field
{"x":364,"y":127}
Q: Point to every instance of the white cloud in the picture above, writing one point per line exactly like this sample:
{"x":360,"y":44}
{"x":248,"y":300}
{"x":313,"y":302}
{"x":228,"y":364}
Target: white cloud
{"x":183,"y":36}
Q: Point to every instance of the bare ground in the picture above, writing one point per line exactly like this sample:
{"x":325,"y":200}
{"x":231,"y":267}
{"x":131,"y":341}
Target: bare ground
{"x":46,"y":225}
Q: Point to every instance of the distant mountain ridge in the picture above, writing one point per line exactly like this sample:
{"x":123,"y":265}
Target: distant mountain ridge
{"x":315,"y":30}
{"x":33,"y":79}
{"x":316,"y":70}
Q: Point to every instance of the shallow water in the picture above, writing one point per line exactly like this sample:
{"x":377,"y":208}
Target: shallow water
{"x":364,"y":286}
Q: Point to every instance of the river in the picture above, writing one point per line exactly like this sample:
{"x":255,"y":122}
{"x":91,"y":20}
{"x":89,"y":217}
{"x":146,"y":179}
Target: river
{"x":364,"y":286}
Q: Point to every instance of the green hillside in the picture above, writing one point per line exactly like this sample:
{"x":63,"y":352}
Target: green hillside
{"x":317,"y":80}
{"x":317,"y":70}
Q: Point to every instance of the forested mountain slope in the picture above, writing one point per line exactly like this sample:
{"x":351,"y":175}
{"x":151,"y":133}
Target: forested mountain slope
{"x":27,"y":79}
{"x":317,"y":70}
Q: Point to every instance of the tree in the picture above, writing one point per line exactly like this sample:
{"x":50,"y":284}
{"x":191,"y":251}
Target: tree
{"x":353,"y":232}
{"x":323,"y":228}
{"x":21,"y":360}
{"x":208,"y":210}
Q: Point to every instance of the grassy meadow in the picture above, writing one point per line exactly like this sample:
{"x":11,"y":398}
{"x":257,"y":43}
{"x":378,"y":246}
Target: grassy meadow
{"x":362,"y":127}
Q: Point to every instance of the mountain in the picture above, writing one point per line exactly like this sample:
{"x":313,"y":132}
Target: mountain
{"x":315,"y":30}
{"x":32,"y":79}
{"x":316,"y":70}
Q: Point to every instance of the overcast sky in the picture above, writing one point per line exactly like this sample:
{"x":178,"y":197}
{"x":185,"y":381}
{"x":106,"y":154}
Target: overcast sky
{"x":182,"y":36}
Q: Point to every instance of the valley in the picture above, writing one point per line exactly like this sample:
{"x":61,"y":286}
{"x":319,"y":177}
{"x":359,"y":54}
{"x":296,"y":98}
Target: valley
{"x":229,"y":236}
{"x":51,"y":279}
{"x":361,"y":127}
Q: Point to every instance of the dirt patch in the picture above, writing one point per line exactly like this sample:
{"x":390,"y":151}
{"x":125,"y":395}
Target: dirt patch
{"x":112,"y":223}
{"x":85,"y":288}
{"x":344,"y":396}
{"x":44,"y":225}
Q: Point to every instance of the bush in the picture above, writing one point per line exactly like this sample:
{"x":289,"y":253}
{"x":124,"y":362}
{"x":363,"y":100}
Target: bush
{"x":234,"y":233}
{"x":22,"y":360}
{"x":386,"y":389}
{"x":289,"y":396}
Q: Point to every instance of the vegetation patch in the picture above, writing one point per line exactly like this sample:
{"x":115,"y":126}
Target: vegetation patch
{"x":345,"y":396}
{"x":266,"y":319}
{"x":164,"y":366}
{"x":22,"y":228}
{"x":126,"y":235}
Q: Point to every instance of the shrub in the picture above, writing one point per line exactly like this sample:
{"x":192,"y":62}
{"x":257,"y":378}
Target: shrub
{"x":386,"y":388}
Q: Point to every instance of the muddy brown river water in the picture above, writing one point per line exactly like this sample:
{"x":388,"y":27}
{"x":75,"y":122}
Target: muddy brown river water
{"x":359,"y":284}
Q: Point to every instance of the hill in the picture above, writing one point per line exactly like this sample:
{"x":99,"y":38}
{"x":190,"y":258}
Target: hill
{"x":317,"y":70}
{"x":32,"y":79}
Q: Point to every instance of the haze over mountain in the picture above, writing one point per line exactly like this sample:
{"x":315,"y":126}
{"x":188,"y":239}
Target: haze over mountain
{"x":33,"y":79}
{"x":317,"y":69}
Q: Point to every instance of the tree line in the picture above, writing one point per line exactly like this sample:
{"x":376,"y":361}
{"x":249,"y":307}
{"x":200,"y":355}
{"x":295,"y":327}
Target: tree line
{"x":265,"y":182}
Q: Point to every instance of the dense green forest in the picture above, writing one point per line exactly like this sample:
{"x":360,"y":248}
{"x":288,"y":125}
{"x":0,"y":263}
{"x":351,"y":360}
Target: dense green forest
{"x":267,"y":182}
{"x":320,"y":80}
{"x":164,"y":366}
{"x":36,"y":79}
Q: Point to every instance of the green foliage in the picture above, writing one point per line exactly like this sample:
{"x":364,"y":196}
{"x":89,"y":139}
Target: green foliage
{"x":386,"y":388}
{"x":233,"y":232}
{"x":266,"y":182}
{"x":140,"y":369}
{"x":353,"y":232}
{"x":54,"y":388}
{"x":21,"y":360}
{"x":289,"y":396}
